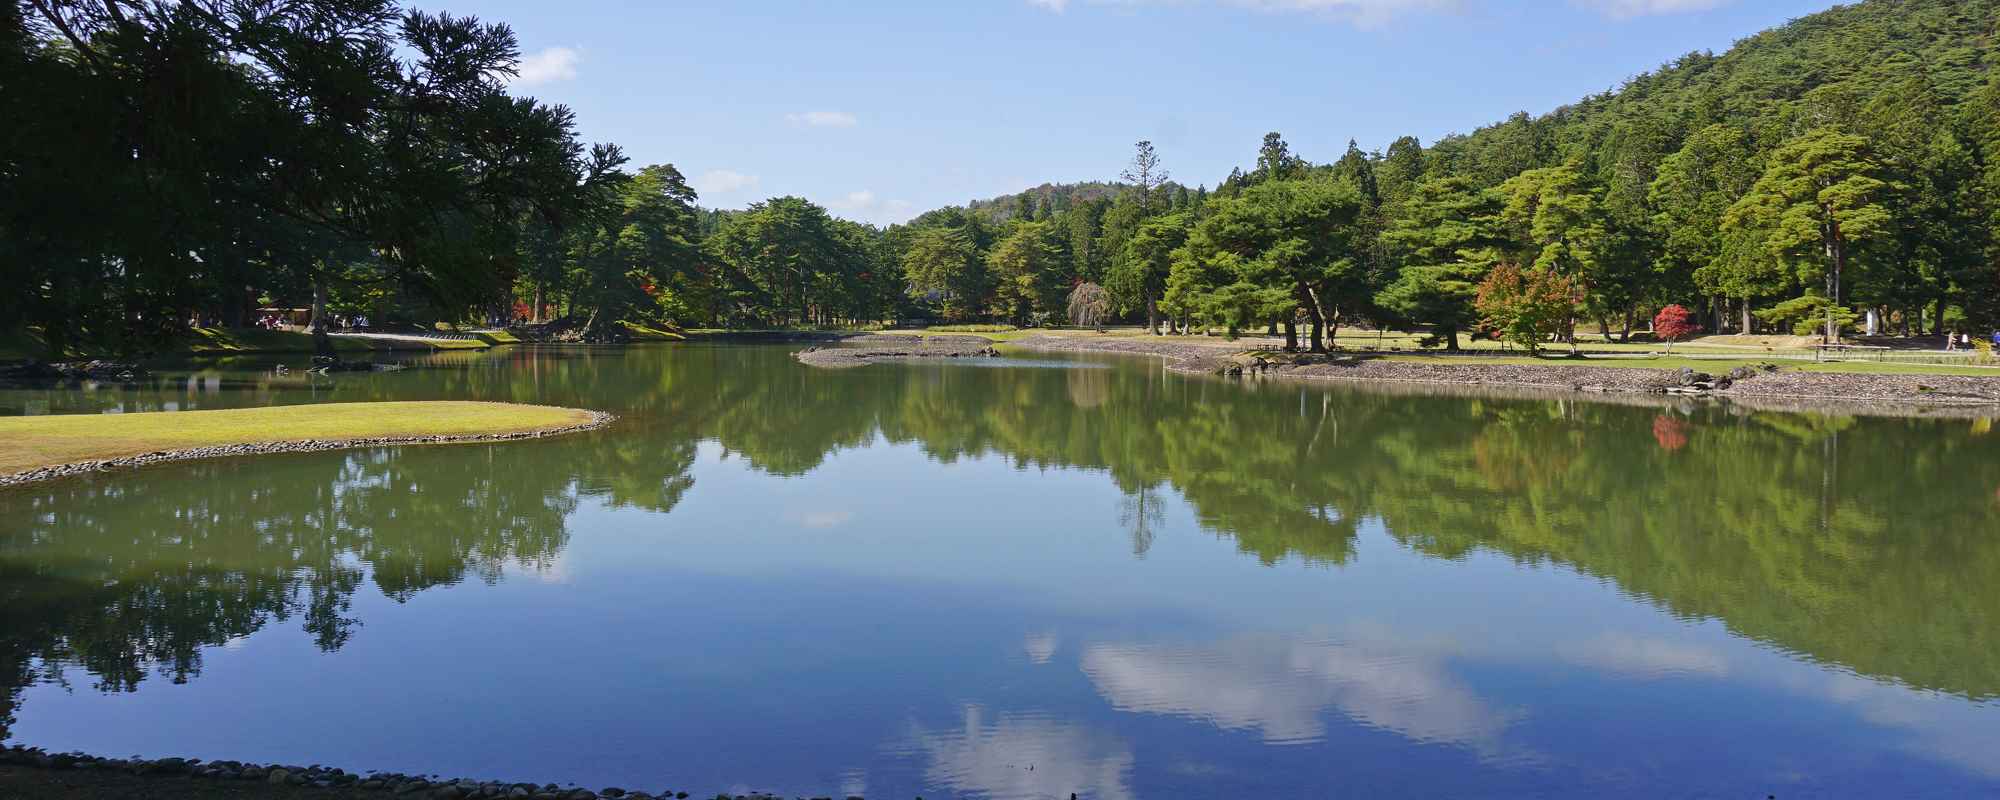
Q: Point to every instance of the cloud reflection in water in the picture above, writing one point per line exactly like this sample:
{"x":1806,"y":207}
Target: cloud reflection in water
{"x":1282,"y":687}
{"x":1024,"y":755}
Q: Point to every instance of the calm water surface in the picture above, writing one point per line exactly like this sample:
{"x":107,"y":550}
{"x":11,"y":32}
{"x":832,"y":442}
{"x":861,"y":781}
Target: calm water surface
{"x":1026,"y":580}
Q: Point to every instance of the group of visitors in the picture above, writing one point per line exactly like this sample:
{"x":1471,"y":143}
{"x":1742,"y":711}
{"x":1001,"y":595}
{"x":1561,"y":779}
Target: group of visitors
{"x":1963,"y":341}
{"x":270,"y":322}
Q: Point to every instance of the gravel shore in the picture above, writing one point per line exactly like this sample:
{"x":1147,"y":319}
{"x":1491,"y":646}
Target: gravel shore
{"x":859,"y":350}
{"x":597,"y":419}
{"x":1835,"y":389}
{"x":34,"y":774}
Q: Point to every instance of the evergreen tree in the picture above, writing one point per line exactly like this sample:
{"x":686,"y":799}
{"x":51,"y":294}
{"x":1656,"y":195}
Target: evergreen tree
{"x":1820,"y":196}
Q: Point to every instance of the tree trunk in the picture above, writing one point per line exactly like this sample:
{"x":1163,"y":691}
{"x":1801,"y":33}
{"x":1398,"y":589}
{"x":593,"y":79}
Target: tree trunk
{"x":1152,"y":314}
{"x":322,"y":341}
{"x":1838,"y":250}
{"x":1451,"y":338}
{"x":1746,"y":317}
{"x":1291,"y":335}
{"x":1318,"y":322}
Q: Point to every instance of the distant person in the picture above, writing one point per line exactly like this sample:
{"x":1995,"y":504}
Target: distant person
{"x":1950,"y":342}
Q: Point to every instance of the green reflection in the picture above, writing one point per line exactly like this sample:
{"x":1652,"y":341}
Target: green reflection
{"x":1868,"y":544}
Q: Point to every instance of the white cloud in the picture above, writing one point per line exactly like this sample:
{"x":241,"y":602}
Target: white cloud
{"x":1361,"y":13}
{"x":722,"y":181}
{"x":1626,"y":9}
{"x":823,"y":119}
{"x":865,"y":206}
{"x":1376,"y":13}
{"x":547,"y":66}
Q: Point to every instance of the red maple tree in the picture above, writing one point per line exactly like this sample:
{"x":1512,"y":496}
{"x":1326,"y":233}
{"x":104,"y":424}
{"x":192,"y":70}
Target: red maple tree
{"x":1674,"y":323}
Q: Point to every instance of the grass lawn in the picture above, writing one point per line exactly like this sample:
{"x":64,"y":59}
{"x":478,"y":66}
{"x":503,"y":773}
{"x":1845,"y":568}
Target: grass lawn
{"x":497,"y":336}
{"x":644,"y":333}
{"x":34,"y":442}
{"x":220,"y":341}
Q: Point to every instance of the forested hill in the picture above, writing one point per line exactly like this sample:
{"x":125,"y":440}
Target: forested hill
{"x":1820,"y":69}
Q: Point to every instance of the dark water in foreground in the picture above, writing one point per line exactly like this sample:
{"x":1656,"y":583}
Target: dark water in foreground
{"x":1026,"y":581}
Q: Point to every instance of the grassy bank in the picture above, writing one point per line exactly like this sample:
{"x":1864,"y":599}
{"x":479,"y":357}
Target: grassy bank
{"x":47,"y":441}
{"x":203,"y":342}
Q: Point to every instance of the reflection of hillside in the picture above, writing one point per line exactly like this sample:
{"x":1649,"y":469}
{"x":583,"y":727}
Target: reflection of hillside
{"x":1864,"y":543}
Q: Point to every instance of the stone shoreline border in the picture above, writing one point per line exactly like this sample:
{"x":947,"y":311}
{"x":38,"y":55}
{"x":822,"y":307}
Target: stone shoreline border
{"x":598,"y":419}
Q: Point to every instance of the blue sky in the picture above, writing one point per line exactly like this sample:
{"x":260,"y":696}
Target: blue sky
{"x":882,"y":110}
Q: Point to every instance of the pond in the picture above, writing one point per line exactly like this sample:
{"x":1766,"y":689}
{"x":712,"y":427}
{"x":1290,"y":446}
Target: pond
{"x":1088,"y":576}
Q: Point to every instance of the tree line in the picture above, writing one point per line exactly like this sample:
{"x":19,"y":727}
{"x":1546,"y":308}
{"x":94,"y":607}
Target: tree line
{"x":1843,"y":166}
{"x":194,"y":161}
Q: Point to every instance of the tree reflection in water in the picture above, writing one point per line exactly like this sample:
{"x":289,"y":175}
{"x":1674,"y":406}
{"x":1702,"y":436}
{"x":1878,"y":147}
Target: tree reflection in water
{"x":1863,"y":543}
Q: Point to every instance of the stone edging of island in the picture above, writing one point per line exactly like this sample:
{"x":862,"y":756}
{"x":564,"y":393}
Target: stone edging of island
{"x":1844,"y":391}
{"x":861,"y":350}
{"x":598,"y":419}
